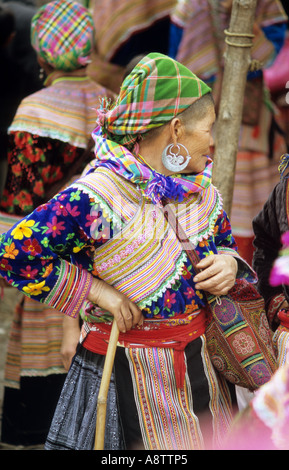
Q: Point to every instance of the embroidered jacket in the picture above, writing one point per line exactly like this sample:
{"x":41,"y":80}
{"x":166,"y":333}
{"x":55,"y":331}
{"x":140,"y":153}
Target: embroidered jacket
{"x":110,"y":224}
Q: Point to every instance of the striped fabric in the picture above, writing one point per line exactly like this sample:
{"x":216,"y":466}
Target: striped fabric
{"x":256,"y":175}
{"x":255,"y":178}
{"x":70,"y":100}
{"x":196,"y":417}
{"x":168,"y":416}
{"x":115,"y":21}
{"x":283,"y":166}
{"x":197,"y":49}
{"x":35,"y":335}
{"x":62,"y":34}
{"x":70,"y":277}
{"x":34,"y":343}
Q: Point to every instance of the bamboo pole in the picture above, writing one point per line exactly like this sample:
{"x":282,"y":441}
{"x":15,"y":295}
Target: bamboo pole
{"x":104,"y":386}
{"x":237,"y":61}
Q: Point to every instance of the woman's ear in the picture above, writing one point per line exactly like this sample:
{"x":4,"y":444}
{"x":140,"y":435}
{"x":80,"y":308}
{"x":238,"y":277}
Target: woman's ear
{"x":41,"y":61}
{"x":176,"y":129}
{"x":44,"y":65}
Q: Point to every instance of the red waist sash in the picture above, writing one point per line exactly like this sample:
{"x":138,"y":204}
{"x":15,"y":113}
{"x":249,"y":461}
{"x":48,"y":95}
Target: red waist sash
{"x":174,"y":333}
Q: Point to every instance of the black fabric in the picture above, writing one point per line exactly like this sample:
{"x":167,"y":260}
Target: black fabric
{"x":125,"y":397}
{"x":20,"y":70}
{"x":152,"y":39}
{"x":27,"y":413}
{"x":268,"y":226}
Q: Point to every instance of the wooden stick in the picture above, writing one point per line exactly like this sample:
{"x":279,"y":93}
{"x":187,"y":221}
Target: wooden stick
{"x":104,"y":386}
{"x":237,"y":63}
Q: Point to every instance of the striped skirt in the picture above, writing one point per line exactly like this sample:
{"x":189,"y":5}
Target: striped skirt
{"x":145,"y":409}
{"x":34,"y":343}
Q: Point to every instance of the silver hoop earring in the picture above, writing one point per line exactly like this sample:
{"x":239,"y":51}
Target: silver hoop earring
{"x":174,"y":161}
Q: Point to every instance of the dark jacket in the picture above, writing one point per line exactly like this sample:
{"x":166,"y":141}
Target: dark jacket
{"x":268,"y":226}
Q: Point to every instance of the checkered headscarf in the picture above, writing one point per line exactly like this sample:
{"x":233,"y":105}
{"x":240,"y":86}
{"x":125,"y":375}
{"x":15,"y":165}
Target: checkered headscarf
{"x":157,"y":89}
{"x":62,"y":34}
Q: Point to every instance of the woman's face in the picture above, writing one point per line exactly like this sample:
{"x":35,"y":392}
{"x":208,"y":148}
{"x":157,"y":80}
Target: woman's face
{"x":199,"y":142}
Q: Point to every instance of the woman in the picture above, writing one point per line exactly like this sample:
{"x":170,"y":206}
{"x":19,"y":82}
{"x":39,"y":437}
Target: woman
{"x":198,"y":41}
{"x":48,"y":144}
{"x":108,"y":251}
{"x":52,"y":127}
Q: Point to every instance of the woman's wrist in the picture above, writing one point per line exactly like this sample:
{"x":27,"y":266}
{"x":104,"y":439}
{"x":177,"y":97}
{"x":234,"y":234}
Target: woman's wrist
{"x":95,"y":291}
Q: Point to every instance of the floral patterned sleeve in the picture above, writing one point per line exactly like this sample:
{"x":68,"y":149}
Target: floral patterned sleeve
{"x":48,"y":254}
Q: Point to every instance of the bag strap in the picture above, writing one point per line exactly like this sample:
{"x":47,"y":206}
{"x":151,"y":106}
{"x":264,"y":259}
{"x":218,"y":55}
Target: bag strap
{"x":181,"y":235}
{"x":187,"y":245}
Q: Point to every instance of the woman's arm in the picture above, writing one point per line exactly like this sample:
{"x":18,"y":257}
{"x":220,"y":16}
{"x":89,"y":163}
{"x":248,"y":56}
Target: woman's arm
{"x":49,"y":256}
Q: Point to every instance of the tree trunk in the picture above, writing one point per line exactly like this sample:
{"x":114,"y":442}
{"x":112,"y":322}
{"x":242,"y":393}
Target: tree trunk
{"x":237,"y":61}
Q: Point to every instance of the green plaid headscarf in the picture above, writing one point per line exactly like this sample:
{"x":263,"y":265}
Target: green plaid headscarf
{"x":157,"y":89}
{"x":62,"y":34}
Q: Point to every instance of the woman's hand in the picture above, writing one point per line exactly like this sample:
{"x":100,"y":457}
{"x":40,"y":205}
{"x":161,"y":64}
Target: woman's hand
{"x":126,"y":313}
{"x":70,"y":339}
{"x":218,"y":274}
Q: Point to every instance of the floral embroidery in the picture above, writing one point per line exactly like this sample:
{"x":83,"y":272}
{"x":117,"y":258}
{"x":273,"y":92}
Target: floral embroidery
{"x":28,"y":272}
{"x":186,"y":272}
{"x":243,"y":343}
{"x":32,"y":247}
{"x":55,"y":227}
{"x":189,"y":293}
{"x":192,"y":307}
{"x":45,"y":242}
{"x":35,"y":289}
{"x":4,"y":265}
{"x":48,"y":269}
{"x":10,"y":251}
{"x":23,"y":229}
{"x":170,"y":299}
{"x":75,"y":196}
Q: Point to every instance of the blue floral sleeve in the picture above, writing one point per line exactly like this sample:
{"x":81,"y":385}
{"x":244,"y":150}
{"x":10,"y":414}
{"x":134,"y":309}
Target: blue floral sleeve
{"x":48,"y":254}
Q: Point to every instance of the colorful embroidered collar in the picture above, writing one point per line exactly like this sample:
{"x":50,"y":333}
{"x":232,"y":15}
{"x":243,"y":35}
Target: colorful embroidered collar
{"x":152,"y":184}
